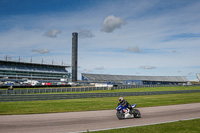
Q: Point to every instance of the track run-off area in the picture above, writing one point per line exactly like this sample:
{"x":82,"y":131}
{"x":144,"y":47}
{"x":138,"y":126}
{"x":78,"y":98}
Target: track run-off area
{"x":94,"y":120}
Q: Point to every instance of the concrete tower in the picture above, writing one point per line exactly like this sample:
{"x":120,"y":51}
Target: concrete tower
{"x":74,"y":56}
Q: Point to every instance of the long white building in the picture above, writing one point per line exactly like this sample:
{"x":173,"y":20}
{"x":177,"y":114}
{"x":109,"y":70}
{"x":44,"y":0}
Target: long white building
{"x":134,"y":80}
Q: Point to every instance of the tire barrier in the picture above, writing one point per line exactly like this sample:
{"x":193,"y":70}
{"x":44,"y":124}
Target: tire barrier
{"x":36,"y":97}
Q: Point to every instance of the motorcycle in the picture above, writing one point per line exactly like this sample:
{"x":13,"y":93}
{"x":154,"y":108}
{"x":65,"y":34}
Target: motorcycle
{"x":123,"y":112}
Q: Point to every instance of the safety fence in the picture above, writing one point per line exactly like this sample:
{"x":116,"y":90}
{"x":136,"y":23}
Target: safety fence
{"x":35,"y":97}
{"x":74,"y":89}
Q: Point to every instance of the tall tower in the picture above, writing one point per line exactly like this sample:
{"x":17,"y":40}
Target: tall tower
{"x":74,"y":56}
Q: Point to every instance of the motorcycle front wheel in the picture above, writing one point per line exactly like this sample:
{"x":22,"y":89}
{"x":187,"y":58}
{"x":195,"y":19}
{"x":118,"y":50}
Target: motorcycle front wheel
{"x":119,"y":115}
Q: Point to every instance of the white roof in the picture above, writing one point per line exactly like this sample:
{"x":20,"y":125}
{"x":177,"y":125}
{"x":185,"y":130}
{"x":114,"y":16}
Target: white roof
{"x":106,"y":77}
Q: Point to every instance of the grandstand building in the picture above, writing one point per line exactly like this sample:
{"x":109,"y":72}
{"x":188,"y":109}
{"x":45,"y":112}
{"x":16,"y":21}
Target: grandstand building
{"x":21,"y":71}
{"x":134,"y":80}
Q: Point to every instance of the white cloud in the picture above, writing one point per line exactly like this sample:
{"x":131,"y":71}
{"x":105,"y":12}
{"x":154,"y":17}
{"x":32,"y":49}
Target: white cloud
{"x":41,"y":51}
{"x":52,"y":33}
{"x":99,"y":68}
{"x":111,"y":23}
{"x":83,"y":33}
{"x":135,"y":49}
{"x":147,"y":67}
{"x":86,"y":71}
{"x":174,"y":51}
{"x":190,"y":73}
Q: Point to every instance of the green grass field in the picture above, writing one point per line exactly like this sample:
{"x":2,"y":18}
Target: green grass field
{"x":71,"y":105}
{"x":171,"y":88}
{"x":186,"y":126}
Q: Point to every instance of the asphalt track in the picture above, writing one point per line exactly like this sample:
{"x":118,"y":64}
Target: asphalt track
{"x":94,"y":120}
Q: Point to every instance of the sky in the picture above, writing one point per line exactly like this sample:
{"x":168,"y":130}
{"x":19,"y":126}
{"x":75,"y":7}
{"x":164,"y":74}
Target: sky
{"x":118,"y":37}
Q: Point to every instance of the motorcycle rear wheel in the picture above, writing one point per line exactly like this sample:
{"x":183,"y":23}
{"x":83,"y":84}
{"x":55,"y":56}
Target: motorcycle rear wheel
{"x":137,"y":113}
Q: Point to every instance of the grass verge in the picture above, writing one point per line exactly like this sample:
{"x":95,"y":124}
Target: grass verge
{"x":186,"y":126}
{"x":169,"y":88}
{"x":72,"y":105}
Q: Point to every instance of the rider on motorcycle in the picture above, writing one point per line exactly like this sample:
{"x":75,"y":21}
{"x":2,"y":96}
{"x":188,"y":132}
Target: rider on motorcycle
{"x":124,"y":103}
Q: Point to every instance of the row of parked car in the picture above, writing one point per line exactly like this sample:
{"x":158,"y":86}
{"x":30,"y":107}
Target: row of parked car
{"x":30,"y":83}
